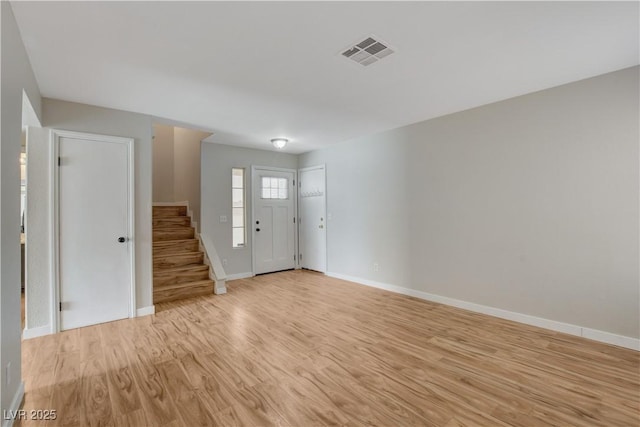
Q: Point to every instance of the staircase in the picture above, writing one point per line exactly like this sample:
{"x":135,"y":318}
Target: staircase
{"x":178,"y":263}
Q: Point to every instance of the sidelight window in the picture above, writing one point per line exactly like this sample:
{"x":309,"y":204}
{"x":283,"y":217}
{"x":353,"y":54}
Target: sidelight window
{"x":238,"y":207}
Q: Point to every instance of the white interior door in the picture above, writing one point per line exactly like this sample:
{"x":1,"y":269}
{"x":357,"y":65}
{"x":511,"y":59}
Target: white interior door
{"x":312,"y":207}
{"x":273,"y":226}
{"x":94,"y":226}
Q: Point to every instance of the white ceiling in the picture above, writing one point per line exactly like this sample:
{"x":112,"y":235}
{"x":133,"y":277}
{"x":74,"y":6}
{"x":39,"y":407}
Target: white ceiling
{"x":252,"y":71}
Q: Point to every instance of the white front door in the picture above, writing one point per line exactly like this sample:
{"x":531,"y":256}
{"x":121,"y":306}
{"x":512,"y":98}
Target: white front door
{"x":273,"y":226}
{"x":312,"y":202}
{"x":94,"y":225}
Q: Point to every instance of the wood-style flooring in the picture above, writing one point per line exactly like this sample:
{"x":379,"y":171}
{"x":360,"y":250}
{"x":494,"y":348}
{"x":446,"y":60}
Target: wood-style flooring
{"x":301,"y":349}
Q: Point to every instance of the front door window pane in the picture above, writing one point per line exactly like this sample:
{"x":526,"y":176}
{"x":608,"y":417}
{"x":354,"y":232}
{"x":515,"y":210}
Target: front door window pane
{"x":275,"y":188}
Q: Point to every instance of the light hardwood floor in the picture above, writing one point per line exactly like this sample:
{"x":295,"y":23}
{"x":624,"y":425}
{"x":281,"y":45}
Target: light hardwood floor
{"x":301,"y":349}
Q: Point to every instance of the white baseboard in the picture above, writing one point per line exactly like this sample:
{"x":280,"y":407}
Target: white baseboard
{"x":609,"y":338}
{"x":239,"y":276}
{"x":15,"y":406}
{"x":567,"y":328}
{"x":46,"y":329}
{"x":36,"y":332}
{"x":146,"y":311}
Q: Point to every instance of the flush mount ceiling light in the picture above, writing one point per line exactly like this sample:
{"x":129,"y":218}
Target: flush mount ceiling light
{"x":368,"y":51}
{"x":279,"y":143}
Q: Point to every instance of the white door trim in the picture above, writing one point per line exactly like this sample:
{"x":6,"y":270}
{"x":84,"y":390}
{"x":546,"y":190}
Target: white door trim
{"x":323,"y":167}
{"x":56,"y":135}
{"x":254,"y":169}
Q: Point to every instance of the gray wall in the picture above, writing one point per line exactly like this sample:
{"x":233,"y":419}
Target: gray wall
{"x":367,"y":207}
{"x":85,"y":118}
{"x":187,"y":168}
{"x":16,"y":76}
{"x":162,"y":163}
{"x":528,"y":205}
{"x":38,"y":231}
{"x":217,"y":162}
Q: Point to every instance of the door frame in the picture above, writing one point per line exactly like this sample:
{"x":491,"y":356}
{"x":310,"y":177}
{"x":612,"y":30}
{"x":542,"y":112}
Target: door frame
{"x":254,"y":169}
{"x":56,"y":135}
{"x":299,"y":189}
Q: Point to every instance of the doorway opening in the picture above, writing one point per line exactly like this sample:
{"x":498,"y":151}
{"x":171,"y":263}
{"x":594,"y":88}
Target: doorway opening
{"x":176,"y":166}
{"x":180,"y":265}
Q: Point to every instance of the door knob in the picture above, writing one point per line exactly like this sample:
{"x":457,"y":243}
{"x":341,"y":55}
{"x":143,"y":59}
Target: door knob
{"x":122,"y":239}
{"x":257,"y":229}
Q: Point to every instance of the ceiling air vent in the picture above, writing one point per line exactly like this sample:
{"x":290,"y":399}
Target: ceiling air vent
{"x":367,"y":51}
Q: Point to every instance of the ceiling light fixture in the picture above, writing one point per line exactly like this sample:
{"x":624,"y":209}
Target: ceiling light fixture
{"x":279,"y":143}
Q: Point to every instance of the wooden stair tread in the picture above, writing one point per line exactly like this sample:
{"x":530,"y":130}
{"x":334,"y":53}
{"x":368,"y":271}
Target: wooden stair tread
{"x":166,"y":227}
{"x":173,"y":227}
{"x":171,"y":222}
{"x":168,"y":247}
{"x":162,"y":243}
{"x":195,"y":284}
{"x":162,"y":211}
{"x":185,"y":253}
{"x":173,"y":233}
{"x":164,"y":261}
{"x":181,"y":269}
{"x":178,"y":218}
{"x":182,"y":274}
{"x":182,"y":291}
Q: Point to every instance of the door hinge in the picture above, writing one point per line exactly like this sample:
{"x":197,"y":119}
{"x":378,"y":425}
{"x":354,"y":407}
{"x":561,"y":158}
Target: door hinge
{"x":59,"y":160}
{"x":60,"y":306}
{"x":294,"y":219}
{"x":294,"y":182}
{"x":294,"y":257}
{"x":300,"y":257}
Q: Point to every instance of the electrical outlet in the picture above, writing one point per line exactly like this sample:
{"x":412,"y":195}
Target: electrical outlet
{"x":223,"y":218}
{"x":329,"y":216}
{"x":224,"y":262}
{"x":7,"y":373}
{"x":376,"y":267}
